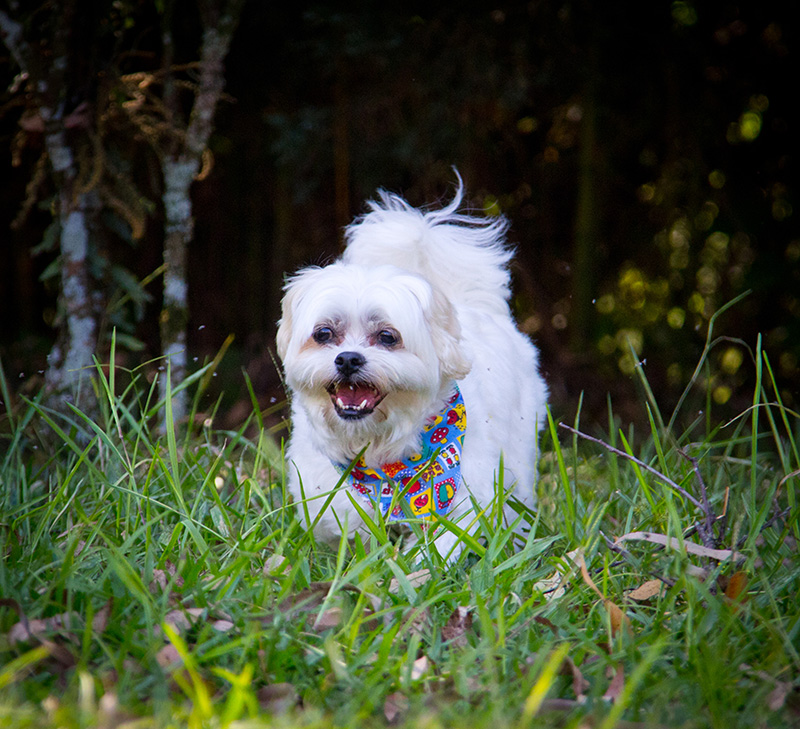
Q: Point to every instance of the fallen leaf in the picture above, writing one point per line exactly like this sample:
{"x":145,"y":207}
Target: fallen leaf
{"x":26,"y":629}
{"x":646,"y":590}
{"x":553,"y":587}
{"x":223,"y":626}
{"x":100,"y":619}
{"x":163,"y":577}
{"x":276,"y":564}
{"x":417,"y":620}
{"x":168,"y":656}
{"x":420,"y":668}
{"x":579,"y":684}
{"x":547,"y":623}
{"x":673,"y":543}
{"x":777,"y":697}
{"x":396,"y":705}
{"x":420,"y":577}
{"x":618,"y":617}
{"x":617,"y":684}
{"x":455,"y":629}
{"x":182,"y":620}
{"x":277,"y":698}
{"x":308,"y":599}
{"x":736,"y":585}
{"x":60,"y":652}
{"x":330,"y":618}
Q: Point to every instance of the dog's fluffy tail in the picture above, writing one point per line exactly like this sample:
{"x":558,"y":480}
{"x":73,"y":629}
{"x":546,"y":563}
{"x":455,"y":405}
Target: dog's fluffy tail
{"x":462,"y":255}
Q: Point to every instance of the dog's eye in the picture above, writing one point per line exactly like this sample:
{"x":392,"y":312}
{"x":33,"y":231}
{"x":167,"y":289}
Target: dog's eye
{"x":387,"y":338}
{"x":323,"y":335}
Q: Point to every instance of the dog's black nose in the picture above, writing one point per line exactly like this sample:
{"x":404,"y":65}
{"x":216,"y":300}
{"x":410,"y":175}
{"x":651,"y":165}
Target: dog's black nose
{"x":348,"y":363}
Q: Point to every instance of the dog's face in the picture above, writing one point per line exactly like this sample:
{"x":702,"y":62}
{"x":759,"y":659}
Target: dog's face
{"x":367,"y":348}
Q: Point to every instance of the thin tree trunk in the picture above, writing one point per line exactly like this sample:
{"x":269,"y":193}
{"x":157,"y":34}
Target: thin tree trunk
{"x":70,"y":360}
{"x":179,"y":229}
{"x":180,"y":167}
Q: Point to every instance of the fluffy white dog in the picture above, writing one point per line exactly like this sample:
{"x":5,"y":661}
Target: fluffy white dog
{"x":410,"y":383}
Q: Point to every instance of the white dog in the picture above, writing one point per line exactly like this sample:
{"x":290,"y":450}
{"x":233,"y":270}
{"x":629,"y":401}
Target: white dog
{"x":404,"y":355}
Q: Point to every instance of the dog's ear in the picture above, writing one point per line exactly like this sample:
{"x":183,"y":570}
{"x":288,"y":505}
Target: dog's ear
{"x":446,"y":336}
{"x":284,"y":335}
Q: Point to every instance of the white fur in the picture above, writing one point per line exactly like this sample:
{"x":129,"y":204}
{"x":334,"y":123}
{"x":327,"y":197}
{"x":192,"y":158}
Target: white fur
{"x":441,"y":280}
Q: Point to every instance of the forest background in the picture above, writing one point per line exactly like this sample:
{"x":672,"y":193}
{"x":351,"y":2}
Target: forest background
{"x":642,"y":152}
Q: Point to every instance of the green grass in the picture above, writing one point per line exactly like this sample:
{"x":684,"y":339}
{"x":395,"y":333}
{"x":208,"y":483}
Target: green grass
{"x":159,"y":581}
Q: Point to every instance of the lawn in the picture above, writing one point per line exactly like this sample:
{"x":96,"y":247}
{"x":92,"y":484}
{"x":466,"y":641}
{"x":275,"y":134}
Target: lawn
{"x":152,"y":580}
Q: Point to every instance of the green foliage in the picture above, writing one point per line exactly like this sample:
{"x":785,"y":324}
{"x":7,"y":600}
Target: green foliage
{"x":161,"y":582}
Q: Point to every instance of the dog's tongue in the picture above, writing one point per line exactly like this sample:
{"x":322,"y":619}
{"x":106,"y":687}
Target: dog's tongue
{"x":356,"y":397}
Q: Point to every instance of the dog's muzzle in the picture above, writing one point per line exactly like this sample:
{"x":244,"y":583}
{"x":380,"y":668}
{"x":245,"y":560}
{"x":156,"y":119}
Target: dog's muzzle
{"x":352,"y":397}
{"x":348,"y":363}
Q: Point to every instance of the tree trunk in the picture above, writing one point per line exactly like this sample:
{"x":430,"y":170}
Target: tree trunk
{"x":179,"y":229}
{"x":70,"y":361}
{"x":180,"y":167}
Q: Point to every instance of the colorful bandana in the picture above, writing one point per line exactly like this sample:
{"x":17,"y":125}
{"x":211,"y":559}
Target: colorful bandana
{"x":438,"y":466}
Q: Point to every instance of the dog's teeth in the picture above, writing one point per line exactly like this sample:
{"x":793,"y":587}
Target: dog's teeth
{"x":363,"y":404}
{"x":340,"y":402}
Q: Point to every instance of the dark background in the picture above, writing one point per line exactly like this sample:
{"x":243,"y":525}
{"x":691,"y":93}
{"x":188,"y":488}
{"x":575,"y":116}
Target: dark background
{"x":643,"y":152}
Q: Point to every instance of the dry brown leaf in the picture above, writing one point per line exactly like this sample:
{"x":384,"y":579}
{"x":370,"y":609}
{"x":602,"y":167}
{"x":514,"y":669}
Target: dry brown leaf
{"x":60,"y":652}
{"x":100,"y":619}
{"x":395,"y":706}
{"x":455,"y":629}
{"x":617,"y":684}
{"x":673,"y":543}
{"x":223,"y":626}
{"x":276,"y":565}
{"x":330,"y":618}
{"x":182,"y":620}
{"x":417,"y":620}
{"x":420,"y":577}
{"x":736,"y":585}
{"x":553,"y":587}
{"x":420,"y":668}
{"x":163,"y":577}
{"x":277,"y":698}
{"x":315,"y":595}
{"x":587,"y":578}
{"x":547,"y":623}
{"x":777,"y":697}
{"x":307,"y":599}
{"x":160,"y":580}
{"x":168,"y":656}
{"x":26,"y":629}
{"x":646,"y":590}
{"x":579,"y":684}
{"x":618,"y":617}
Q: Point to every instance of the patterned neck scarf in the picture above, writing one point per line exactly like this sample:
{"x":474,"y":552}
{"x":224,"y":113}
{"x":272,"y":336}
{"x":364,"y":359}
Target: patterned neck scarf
{"x":437,"y":469}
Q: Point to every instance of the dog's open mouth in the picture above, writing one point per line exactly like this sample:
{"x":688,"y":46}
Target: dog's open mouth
{"x":354,"y":400}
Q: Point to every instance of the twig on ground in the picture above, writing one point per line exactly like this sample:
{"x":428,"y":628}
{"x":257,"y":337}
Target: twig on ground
{"x":707,"y":533}
{"x":668,"y":481}
{"x":776,"y":516}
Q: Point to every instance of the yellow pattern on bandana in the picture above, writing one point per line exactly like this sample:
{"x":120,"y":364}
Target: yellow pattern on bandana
{"x":427,"y":481}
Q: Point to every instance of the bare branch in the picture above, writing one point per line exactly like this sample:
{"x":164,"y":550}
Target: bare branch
{"x":665,"y":479}
{"x":709,"y":514}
